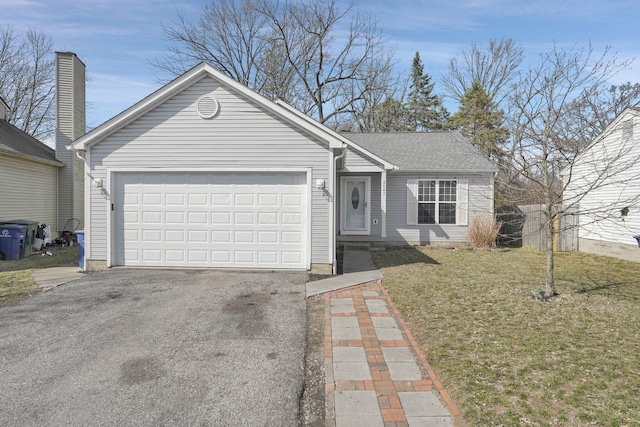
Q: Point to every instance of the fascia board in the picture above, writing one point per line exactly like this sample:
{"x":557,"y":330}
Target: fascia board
{"x":36,"y":159}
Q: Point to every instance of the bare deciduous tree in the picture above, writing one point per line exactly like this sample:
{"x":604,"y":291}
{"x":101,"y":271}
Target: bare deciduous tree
{"x":592,"y":113}
{"x":376,"y":92}
{"x":541,"y":116}
{"x":27,"y":80}
{"x":228,"y":36}
{"x":315,"y":55}
{"x":493,"y":67}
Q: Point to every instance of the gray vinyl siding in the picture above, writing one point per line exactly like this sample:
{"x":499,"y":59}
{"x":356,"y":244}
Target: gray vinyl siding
{"x":376,"y":211}
{"x":358,"y":160}
{"x":28,"y":190}
{"x":241,"y":136}
{"x":70,"y":125}
{"x":480,"y":203}
{"x":606,"y":179}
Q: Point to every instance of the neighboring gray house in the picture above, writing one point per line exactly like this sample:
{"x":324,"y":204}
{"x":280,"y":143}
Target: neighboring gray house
{"x":39,"y":183}
{"x":205,"y":172}
{"x":604,"y":182}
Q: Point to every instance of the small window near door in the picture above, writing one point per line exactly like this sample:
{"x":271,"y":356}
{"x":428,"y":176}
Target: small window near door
{"x":437,"y":201}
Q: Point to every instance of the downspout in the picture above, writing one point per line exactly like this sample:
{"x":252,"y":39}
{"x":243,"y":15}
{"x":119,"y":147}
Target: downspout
{"x":334,"y":185}
{"x":81,"y":154}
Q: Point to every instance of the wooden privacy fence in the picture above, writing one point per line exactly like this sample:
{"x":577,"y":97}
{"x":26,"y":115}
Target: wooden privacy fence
{"x":525,"y":226}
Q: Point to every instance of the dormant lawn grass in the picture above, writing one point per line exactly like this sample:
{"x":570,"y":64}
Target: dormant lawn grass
{"x":16,"y":282}
{"x":508,"y":358}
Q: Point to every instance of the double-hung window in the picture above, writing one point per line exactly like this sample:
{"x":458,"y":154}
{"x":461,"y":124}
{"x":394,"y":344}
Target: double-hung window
{"x":437,"y":201}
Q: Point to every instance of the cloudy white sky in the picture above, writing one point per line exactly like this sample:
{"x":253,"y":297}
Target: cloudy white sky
{"x":117,"y":39}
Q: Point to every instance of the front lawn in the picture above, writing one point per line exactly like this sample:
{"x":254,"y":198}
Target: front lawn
{"x":508,"y":358}
{"x":16,"y":282}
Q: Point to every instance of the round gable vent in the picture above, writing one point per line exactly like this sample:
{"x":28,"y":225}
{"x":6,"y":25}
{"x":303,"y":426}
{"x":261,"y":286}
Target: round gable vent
{"x":207,"y":106}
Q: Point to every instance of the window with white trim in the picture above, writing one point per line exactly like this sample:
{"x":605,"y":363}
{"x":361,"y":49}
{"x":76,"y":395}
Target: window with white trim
{"x":437,"y":201}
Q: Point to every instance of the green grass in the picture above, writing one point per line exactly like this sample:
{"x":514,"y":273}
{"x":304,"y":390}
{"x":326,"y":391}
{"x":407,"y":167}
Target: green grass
{"x":16,"y":281}
{"x":508,"y":358}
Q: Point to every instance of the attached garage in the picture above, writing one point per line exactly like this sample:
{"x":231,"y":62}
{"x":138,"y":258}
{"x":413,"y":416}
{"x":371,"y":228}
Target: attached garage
{"x":205,"y":173}
{"x":211,"y":219}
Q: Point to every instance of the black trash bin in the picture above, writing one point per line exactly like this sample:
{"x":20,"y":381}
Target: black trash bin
{"x":12,"y":237}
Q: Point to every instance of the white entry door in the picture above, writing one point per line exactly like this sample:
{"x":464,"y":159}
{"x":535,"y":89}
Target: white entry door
{"x":355,"y":211}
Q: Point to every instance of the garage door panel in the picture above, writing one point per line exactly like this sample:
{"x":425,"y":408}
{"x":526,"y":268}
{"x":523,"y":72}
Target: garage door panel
{"x":175,"y":256}
{"x":174,"y":199}
{"x":292,"y":218}
{"x":152,"y":199}
{"x":220,"y":218}
{"x":245,"y":218}
{"x":175,"y":236}
{"x":152,"y":217}
{"x":248,"y":200}
{"x":151,"y":255}
{"x":221,"y":257}
{"x":198,"y":199}
{"x":268,"y":200}
{"x":267,"y":218}
{"x":197,"y":256}
{"x":254,"y":220}
{"x":221,"y":199}
{"x":291,"y":258}
{"x":268,"y":237}
{"x":174,"y":217}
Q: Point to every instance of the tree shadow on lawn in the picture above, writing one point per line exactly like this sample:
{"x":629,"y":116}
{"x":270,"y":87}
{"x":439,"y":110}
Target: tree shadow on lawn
{"x":395,"y":256}
{"x":591,"y":286}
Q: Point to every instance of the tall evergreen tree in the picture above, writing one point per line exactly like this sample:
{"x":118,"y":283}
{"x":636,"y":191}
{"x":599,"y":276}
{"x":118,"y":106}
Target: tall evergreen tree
{"x":424,"y":109}
{"x":390,"y":116}
{"x":480,"y":120}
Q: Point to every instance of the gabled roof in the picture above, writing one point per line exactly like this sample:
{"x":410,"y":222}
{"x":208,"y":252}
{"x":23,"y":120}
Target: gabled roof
{"x":192,"y":76}
{"x":425,"y":151}
{"x":633,"y":111}
{"x":16,"y":142}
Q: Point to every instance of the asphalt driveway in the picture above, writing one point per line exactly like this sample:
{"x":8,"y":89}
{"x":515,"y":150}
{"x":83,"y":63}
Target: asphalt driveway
{"x":156,"y":347}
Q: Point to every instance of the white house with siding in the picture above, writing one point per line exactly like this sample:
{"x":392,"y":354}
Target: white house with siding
{"x":604,"y":185}
{"x":205,"y":172}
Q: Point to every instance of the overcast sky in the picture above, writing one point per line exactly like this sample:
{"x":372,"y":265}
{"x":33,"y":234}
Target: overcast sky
{"x":117,"y":39}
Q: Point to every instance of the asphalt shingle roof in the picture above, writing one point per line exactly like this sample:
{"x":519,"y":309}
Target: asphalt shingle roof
{"x":424,"y":151}
{"x":16,"y":141}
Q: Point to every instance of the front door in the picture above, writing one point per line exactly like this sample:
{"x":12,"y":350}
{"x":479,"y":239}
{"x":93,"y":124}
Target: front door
{"x":355,"y":212}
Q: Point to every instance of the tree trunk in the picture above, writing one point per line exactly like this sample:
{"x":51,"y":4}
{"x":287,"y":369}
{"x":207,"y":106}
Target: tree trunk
{"x":550,"y":285}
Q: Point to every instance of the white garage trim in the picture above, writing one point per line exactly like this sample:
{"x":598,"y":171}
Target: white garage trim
{"x":212,"y":177}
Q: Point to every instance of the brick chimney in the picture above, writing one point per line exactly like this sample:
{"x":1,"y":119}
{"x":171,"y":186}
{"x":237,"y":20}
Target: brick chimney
{"x":70,"y":125}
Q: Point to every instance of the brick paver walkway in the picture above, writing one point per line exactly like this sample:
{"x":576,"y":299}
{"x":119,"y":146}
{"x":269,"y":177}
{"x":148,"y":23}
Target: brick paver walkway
{"x":376,"y":375}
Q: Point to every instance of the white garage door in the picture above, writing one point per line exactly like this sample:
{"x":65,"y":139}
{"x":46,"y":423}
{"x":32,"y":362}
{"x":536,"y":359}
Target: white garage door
{"x":236,"y":220}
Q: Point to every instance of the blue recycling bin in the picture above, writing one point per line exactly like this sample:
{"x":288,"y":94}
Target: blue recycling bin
{"x":80,"y":238}
{"x":29,"y":235}
{"x":12,"y":238}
